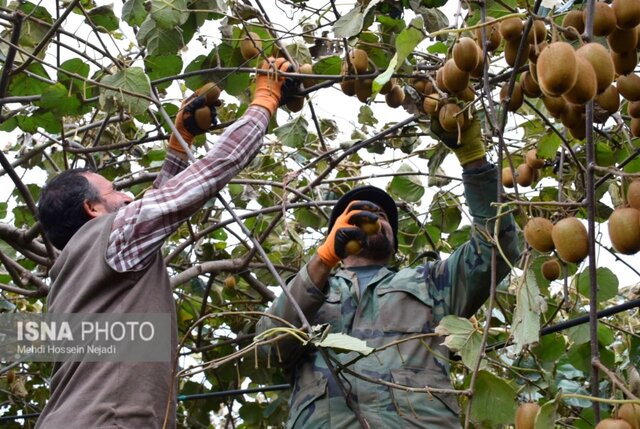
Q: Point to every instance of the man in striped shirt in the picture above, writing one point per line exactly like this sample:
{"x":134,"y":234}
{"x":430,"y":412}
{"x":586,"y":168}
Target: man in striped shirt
{"x":111,"y":261}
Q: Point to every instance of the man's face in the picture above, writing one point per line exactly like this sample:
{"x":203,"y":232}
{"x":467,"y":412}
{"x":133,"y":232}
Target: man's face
{"x":381,"y":245}
{"x":110,"y":199}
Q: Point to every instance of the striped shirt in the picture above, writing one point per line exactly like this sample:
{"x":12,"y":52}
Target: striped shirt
{"x":140,"y":228}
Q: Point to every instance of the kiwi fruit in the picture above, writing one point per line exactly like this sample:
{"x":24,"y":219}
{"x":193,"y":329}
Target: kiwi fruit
{"x":532,"y":160}
{"x":551,"y":269}
{"x":423,"y":86}
{"x":370,"y":228}
{"x":609,"y":100}
{"x":557,"y":69}
{"x":630,"y":413}
{"x":511,"y":52}
{"x":479,"y":70}
{"x":203,"y":117}
{"x":230,"y":282}
{"x":348,"y":87}
{"x":574,"y":23}
{"x":492,"y":33}
{"x":250,"y":46}
{"x":634,"y":127}
{"x":465,"y":54}
{"x":395,"y":97}
{"x":633,"y":109}
{"x":611,"y":423}
{"x":624,"y":230}
{"x":364,"y":89}
{"x":601,"y":62}
{"x":431,"y":103}
{"x":571,"y":240}
{"x":526,"y":415}
{"x":211,"y":93}
{"x":295,"y":104}
{"x":633,"y":194}
{"x":530,"y":87}
{"x":440,"y":81}
{"x":586,"y":85}
{"x":534,"y":51}
{"x":507,"y":177}
{"x":537,"y":232}
{"x":623,"y":40}
{"x":353,"y":247}
{"x":511,"y":29}
{"x":555,"y":105}
{"x":450,"y":117}
{"x":604,"y":19}
{"x":306,"y":69}
{"x":516,"y":100}
{"x":453,"y":78}
{"x":533,"y":71}
{"x":537,"y":33}
{"x":387,"y":87}
{"x":624,"y":62}
{"x":525,"y":175}
{"x":467,"y":94}
{"x":627,"y":13}
{"x":579,"y":131}
{"x":629,"y":86}
{"x":571,"y":116}
{"x":359,"y":60}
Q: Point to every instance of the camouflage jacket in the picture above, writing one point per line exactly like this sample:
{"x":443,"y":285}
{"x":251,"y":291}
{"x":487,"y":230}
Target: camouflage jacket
{"x":394,"y":306}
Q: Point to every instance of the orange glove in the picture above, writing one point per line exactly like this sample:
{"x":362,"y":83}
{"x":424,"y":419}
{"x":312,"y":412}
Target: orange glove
{"x":269,"y":86}
{"x":347,"y":228}
{"x":195,"y":117}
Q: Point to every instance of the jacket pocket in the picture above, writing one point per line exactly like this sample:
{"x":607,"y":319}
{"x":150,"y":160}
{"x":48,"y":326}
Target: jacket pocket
{"x":303,"y":402}
{"x":405,"y":310}
{"x":421,"y":409}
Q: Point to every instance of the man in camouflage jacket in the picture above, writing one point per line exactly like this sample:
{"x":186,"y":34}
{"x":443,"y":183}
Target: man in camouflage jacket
{"x":367,"y":300}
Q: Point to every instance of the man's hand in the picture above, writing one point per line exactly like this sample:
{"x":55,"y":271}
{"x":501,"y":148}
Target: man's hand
{"x":196,"y":115}
{"x":469,"y":147}
{"x":346,"y":231}
{"x":269,"y":85}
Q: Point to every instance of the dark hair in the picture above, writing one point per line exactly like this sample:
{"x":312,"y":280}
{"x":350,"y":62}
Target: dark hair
{"x":60,"y":208}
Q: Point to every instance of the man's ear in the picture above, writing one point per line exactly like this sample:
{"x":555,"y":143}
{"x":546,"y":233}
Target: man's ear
{"x":91,"y":208}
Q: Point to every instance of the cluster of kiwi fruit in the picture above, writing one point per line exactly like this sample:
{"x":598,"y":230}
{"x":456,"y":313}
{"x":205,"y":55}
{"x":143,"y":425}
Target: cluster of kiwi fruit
{"x":624,"y":223}
{"x":358,"y":64}
{"x":525,"y":173}
{"x":627,"y":416}
{"x":567,"y":78}
{"x":568,"y":237}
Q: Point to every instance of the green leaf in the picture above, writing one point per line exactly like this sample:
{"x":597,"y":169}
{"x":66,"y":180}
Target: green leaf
{"x":75,"y":66}
{"x":103,"y":18}
{"x":299,"y":52}
{"x":133,"y":80}
{"x":169,"y":14}
{"x":9,"y":124}
{"x":366,"y":116}
{"x":48,"y":121}
{"x":237,"y":83}
{"x":57,"y":100}
{"x":345,"y":343}
{"x":133,"y":12}
{"x":605,"y":157}
{"x":27,"y":124}
{"x":580,"y":357}
{"x":23,"y":84}
{"x":251,"y":413}
{"x":434,"y":19}
{"x":526,"y":318}
{"x":461,"y":337}
{"x":550,"y":348}
{"x":634,"y":350}
{"x":548,"y":146}
{"x":494,"y":401}
{"x":438,"y":48}
{"x":409,"y":38}
{"x":157,"y":40}
{"x":406,"y":187}
{"x":159,"y":66}
{"x":460,"y":236}
{"x":293,"y":133}
{"x":329,"y":65}
{"x":383,"y":78}
{"x":309,"y":218}
{"x":606,"y":280}
{"x":445,"y":212}
{"x":546,"y":417}
{"x":349,"y":24}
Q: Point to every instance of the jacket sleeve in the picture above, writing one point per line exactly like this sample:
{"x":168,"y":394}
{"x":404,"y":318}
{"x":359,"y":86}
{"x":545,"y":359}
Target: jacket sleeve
{"x":462,"y":282}
{"x":310,"y":298}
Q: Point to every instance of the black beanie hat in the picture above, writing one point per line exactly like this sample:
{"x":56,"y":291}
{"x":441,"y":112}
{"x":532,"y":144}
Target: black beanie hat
{"x":374,"y":195}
